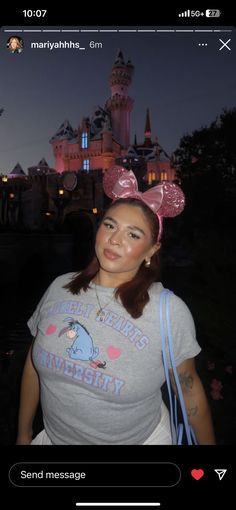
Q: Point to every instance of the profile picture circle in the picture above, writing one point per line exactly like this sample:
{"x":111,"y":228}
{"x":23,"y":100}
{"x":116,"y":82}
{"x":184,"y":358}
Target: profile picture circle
{"x":15,"y":44}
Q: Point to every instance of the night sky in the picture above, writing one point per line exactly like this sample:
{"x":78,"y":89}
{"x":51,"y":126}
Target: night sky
{"x":184,"y":85}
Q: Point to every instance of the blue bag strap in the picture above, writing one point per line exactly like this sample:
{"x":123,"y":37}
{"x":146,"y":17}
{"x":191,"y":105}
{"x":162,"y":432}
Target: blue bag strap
{"x":179,"y":389}
{"x":165,"y":304}
{"x":166,"y":368}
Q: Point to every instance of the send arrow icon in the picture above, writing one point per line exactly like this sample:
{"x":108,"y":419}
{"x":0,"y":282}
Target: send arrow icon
{"x":220,"y":473}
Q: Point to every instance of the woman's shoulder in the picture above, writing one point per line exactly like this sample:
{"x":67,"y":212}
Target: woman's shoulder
{"x":176,"y":302}
{"x":62,"y":280}
{"x":179,"y":305}
{"x":180,"y":312}
{"x":155,"y":289}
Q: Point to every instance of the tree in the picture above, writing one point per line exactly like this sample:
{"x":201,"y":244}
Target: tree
{"x":210,"y":150}
{"x":206,"y":166}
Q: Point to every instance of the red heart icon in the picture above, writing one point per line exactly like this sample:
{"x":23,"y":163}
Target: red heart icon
{"x":51,"y":329}
{"x":197,"y":473}
{"x":113,"y":352}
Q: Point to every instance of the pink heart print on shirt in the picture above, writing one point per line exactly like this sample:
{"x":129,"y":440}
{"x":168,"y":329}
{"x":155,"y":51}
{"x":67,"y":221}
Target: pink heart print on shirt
{"x":197,"y":473}
{"x":51,"y":329}
{"x":113,"y":352}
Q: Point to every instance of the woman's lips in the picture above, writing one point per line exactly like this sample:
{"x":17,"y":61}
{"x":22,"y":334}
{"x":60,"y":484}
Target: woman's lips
{"x":111,"y":255}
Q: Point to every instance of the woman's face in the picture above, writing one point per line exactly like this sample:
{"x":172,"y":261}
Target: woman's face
{"x":124,"y":240}
{"x":14,"y":44}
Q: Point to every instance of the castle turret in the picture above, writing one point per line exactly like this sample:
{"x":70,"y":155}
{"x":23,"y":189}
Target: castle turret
{"x":120,"y":104}
{"x":147,"y":132}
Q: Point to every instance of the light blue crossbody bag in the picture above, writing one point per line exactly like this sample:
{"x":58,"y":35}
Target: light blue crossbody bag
{"x":181,"y":431}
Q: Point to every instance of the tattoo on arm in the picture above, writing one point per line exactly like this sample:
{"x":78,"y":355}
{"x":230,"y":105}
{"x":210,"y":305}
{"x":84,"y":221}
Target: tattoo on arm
{"x":192,"y":411}
{"x":186,"y":380}
{"x":187,"y":383}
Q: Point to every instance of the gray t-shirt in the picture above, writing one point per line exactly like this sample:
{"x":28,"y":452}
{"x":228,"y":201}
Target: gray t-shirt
{"x":101,"y":380}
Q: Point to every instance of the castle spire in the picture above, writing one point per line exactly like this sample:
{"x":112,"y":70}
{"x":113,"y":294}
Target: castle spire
{"x":119,"y":61}
{"x":147,"y":132}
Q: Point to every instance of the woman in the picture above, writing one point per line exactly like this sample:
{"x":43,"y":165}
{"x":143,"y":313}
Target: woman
{"x":97,"y":351}
{"x":15,"y":44}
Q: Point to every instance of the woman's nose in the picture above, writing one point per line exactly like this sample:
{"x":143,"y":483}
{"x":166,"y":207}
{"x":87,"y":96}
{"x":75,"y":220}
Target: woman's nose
{"x":115,"y":238}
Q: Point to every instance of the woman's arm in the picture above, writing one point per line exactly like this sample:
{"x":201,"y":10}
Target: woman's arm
{"x":29,"y":399}
{"x":197,"y":407}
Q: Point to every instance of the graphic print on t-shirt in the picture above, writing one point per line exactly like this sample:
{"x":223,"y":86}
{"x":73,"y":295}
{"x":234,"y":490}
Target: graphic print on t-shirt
{"x":90,"y":405}
{"x":82,"y":347}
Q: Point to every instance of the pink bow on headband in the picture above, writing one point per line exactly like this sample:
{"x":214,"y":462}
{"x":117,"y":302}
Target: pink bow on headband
{"x":165,"y":200}
{"x":127,"y":187}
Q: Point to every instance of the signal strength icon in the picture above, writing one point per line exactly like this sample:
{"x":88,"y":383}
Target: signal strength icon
{"x":220,"y":473}
{"x":185,"y":14}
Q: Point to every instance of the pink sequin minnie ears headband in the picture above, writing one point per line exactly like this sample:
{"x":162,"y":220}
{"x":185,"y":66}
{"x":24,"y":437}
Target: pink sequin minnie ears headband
{"x":165,"y":200}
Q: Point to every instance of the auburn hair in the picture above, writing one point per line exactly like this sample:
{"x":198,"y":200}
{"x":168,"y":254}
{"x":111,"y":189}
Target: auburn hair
{"x":134,"y":293}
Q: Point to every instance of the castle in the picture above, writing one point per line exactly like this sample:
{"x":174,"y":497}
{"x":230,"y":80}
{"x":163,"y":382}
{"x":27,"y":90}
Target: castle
{"x":81,"y":157}
{"x":104,"y":139}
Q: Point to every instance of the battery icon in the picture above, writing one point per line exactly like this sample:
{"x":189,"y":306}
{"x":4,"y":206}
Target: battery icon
{"x":212,"y":13}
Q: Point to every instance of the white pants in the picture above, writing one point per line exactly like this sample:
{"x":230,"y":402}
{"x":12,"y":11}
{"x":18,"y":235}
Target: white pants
{"x":161,"y":435}
{"x":41,"y":438}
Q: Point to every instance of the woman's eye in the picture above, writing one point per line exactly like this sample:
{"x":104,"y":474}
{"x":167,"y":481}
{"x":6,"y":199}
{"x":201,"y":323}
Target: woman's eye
{"x":134,"y":236}
{"x":108,"y":225}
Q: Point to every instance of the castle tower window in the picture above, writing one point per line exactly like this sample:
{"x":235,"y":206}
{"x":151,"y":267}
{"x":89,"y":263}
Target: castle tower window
{"x":86,"y":165}
{"x":84,"y":140}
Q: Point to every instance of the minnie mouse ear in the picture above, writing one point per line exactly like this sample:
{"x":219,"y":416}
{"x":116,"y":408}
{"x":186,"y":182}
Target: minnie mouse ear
{"x":110,"y":178}
{"x":173,"y":200}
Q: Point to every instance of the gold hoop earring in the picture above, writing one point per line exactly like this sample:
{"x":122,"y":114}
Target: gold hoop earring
{"x":147,"y":263}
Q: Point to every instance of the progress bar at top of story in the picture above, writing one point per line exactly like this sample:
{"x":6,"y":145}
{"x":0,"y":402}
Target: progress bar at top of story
{"x":118,"y":504}
{"x":116,"y":30}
